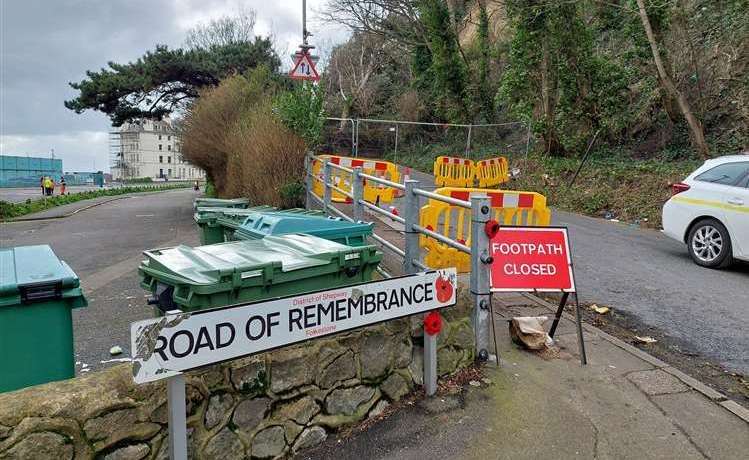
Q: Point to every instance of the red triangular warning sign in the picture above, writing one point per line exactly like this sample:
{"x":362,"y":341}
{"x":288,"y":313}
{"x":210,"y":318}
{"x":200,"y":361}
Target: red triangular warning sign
{"x":304,"y":68}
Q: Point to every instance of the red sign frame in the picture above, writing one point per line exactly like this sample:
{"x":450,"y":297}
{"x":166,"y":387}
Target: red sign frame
{"x":531,"y":259}
{"x":307,"y":58}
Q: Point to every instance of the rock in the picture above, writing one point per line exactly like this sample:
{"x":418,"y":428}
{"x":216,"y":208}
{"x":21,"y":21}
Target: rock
{"x":249,"y":413}
{"x":251,"y":377}
{"x":292,"y":368}
{"x":213,"y":378}
{"x":342,"y":368}
{"x":225,"y":445}
{"x":403,"y":351}
{"x":474,"y":383}
{"x":346,"y":401}
{"x":69,"y":429}
{"x":395,"y":387}
{"x":133,"y":452}
{"x":378,"y":408}
{"x":310,"y":437}
{"x":461,"y":335}
{"x":269,"y":443}
{"x":219,"y":407}
{"x":416,"y":368}
{"x":301,"y":411}
{"x":376,"y":356}
{"x":448,"y":359}
{"x":113,"y":427}
{"x":41,"y":446}
{"x":5,"y":431}
{"x":194,"y":399}
{"x":192,"y":448}
{"x":115,"y":350}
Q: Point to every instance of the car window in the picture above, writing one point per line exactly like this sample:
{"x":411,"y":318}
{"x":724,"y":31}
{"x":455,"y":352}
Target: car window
{"x":726,"y":174}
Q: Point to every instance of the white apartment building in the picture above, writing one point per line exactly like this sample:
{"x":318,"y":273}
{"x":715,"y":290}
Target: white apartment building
{"x":149,"y":148}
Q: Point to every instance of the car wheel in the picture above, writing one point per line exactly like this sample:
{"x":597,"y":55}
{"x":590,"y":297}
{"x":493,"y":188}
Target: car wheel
{"x":710,"y":244}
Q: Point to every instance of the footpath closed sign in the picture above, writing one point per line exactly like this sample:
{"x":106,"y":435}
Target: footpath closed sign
{"x":164,"y":347}
{"x":531,"y":259}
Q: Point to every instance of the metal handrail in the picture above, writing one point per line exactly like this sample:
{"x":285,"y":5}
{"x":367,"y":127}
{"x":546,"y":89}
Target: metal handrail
{"x":442,"y":239}
{"x":389,"y":214}
{"x":340,"y":190}
{"x":442,"y":198}
{"x":388,"y":245}
{"x":382,"y":181}
{"x":340,"y":168}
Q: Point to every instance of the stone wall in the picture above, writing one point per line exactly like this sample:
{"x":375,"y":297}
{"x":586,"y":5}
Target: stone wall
{"x":265,"y":406}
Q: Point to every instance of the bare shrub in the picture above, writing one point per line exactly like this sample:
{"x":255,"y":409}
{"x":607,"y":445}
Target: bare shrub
{"x":232,"y":133}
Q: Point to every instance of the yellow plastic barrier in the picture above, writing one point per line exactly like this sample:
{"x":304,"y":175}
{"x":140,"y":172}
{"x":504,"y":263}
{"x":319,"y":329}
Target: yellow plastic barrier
{"x":453,"y":172}
{"x":341,"y":179}
{"x":492,"y":172}
{"x":508,"y":208}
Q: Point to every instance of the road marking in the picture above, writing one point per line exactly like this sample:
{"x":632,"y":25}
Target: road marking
{"x":144,"y":215}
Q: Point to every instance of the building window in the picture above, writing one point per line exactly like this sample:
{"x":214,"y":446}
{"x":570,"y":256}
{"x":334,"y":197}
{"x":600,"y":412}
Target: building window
{"x":169,"y":147}
{"x":169,"y":172}
{"x":161,"y":173}
{"x":168,"y":159}
{"x":169,"y":138}
{"x":159,"y":136}
{"x":161,"y":159}
{"x":160,"y":146}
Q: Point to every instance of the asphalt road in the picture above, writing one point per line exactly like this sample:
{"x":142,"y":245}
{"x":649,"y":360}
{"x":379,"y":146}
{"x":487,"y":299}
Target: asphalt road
{"x":651,"y":276}
{"x":103,"y":245}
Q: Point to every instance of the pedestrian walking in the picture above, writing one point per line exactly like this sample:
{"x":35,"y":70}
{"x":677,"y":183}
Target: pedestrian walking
{"x":62,"y":185}
{"x":41,"y":185}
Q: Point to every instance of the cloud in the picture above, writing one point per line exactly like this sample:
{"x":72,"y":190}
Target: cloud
{"x":46,"y":44}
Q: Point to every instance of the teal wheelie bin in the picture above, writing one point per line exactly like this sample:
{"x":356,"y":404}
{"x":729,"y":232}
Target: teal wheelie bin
{"x":330,"y":228}
{"x":217,"y":275}
{"x":37,"y":293}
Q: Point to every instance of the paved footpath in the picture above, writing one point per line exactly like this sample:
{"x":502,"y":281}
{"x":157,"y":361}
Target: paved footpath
{"x":624,"y":404}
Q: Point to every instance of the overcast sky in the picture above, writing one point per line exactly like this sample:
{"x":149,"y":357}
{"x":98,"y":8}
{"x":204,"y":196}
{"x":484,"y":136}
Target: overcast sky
{"x":47,"y":43}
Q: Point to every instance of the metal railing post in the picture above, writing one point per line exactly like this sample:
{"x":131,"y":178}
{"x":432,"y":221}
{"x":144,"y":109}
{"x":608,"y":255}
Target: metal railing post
{"x":357,"y":190}
{"x":411,"y":216}
{"x":326,"y":185}
{"x":308,"y":181}
{"x":480,"y":264}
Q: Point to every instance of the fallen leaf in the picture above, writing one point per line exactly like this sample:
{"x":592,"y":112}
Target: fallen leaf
{"x":646,"y":339}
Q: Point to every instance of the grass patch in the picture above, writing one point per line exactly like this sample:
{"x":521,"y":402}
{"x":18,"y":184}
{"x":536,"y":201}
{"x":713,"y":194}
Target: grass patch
{"x":13,"y":210}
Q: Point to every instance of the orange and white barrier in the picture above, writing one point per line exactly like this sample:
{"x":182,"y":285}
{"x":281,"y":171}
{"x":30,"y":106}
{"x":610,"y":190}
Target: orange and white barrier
{"x":373,"y":192}
{"x":454,"y":222}
{"x":492,"y":172}
{"x":453,"y":172}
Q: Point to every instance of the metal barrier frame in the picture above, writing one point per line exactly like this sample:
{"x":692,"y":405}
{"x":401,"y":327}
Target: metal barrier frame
{"x":478,"y":250}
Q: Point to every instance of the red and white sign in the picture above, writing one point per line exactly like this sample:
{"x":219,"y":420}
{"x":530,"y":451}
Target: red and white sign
{"x":304,"y":68}
{"x":531,"y":259}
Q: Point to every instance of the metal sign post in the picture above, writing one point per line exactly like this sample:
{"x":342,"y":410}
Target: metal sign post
{"x":175,"y":394}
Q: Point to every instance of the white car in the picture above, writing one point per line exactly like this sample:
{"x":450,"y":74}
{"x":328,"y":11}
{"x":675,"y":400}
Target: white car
{"x":709,"y":212}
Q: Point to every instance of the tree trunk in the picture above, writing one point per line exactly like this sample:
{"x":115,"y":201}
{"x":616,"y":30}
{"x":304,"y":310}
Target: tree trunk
{"x":698,"y":136}
{"x":548,"y":103}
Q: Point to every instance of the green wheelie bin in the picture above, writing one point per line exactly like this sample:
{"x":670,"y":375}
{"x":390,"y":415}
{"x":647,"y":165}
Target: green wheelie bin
{"x":37,"y":293}
{"x":218,"y":275}
{"x":221,"y":202}
{"x":330,"y":228}
{"x":211,"y":231}
{"x":231,"y":222}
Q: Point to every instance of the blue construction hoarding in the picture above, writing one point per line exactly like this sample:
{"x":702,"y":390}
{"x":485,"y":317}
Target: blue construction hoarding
{"x":16,"y":171}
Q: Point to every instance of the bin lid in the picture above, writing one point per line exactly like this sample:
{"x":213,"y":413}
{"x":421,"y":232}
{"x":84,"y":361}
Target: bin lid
{"x":232,"y":202}
{"x":280,"y":223}
{"x":206,"y":264}
{"x":25,"y":267}
{"x":206,"y":213}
